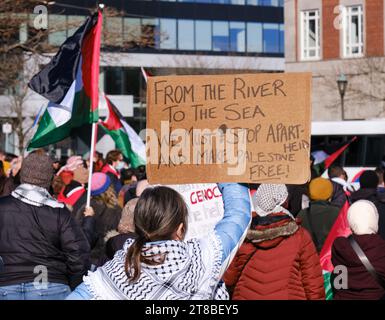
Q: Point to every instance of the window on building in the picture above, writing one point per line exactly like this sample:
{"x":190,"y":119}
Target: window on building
{"x":254,"y":37}
{"x":73,"y":24}
{"x":113,"y":31}
{"x":186,"y":34}
{"x":131,"y":82}
{"x":220,"y":36}
{"x":353,"y":32}
{"x":113,"y":78}
{"x":203,"y":35}
{"x":310,"y":35}
{"x":150,"y":33}
{"x":237,"y":36}
{"x":167,"y":33}
{"x":281,"y":38}
{"x":271,"y":37}
{"x":270,"y":3}
{"x":57,"y":27}
{"x":131,"y":32}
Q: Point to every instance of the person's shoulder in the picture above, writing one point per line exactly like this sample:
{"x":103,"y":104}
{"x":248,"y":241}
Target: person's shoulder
{"x":340,"y":243}
{"x":7,"y":199}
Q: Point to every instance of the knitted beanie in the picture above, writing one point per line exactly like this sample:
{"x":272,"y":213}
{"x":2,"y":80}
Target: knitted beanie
{"x":74,"y":162}
{"x":320,"y":189}
{"x":99,"y":183}
{"x":363,"y":217}
{"x":37,"y":169}
{"x":369,"y":180}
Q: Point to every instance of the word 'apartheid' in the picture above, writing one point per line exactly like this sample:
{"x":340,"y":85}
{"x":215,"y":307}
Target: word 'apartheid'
{"x":249,"y":128}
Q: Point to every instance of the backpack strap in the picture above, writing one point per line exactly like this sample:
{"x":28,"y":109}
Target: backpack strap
{"x":365,"y":261}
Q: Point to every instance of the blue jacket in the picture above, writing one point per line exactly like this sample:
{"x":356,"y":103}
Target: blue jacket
{"x":230,"y":230}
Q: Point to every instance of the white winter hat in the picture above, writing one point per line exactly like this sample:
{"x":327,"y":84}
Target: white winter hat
{"x":269,"y":197}
{"x":363,"y":217}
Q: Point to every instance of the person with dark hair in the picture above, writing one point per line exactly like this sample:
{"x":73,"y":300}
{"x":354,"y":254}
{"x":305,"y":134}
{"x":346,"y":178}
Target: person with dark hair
{"x":160,"y":259}
{"x":298,"y":198}
{"x":98,"y":161}
{"x":313,"y":172}
{"x":140,"y":173}
{"x":341,"y":188}
{"x":368,"y":191}
{"x":36,"y":230}
{"x":128,"y":178}
{"x":114,"y":159}
{"x":10,"y":156}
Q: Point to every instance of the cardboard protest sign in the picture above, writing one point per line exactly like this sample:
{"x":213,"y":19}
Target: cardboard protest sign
{"x":205,"y":206}
{"x":229,"y":128}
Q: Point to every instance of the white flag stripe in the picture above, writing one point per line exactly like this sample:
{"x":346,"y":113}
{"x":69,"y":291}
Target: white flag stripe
{"x":137,"y":144}
{"x":62,"y":113}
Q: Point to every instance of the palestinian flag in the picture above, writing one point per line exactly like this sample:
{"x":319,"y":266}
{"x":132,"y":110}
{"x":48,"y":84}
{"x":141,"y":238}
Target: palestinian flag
{"x":71,"y":84}
{"x":125,"y":138}
{"x":322,"y":160}
{"x":340,"y":229}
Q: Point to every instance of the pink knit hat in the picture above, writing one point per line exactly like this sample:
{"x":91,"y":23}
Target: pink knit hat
{"x":99,"y":183}
{"x":72,"y":164}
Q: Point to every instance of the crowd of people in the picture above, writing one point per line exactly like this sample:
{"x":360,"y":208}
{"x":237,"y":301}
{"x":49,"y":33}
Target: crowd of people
{"x":130,"y":242}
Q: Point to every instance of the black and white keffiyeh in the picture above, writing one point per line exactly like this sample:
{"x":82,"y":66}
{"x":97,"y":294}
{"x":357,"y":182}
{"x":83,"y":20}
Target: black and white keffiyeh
{"x":269,"y":198}
{"x":35,"y":196}
{"x":191,"y":271}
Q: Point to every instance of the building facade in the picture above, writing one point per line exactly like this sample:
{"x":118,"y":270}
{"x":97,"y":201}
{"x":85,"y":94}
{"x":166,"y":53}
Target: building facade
{"x":339,"y":39}
{"x":168,"y":37}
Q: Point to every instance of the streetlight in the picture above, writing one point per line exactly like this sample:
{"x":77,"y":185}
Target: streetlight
{"x":342,"y":83}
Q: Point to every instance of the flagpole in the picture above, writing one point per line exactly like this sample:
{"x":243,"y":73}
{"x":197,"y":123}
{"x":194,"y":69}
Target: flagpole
{"x":91,"y":166}
{"x":92,"y":150}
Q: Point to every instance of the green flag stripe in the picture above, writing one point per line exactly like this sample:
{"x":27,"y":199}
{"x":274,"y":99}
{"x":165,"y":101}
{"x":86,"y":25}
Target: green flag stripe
{"x":123,"y":143}
{"x":47,"y":133}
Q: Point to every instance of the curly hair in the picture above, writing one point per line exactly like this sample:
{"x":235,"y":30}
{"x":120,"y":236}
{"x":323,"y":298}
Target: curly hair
{"x":108,"y":197}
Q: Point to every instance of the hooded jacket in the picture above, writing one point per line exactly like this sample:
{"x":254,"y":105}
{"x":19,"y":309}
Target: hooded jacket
{"x":378,"y":199}
{"x":277,"y":262}
{"x":361,"y":285}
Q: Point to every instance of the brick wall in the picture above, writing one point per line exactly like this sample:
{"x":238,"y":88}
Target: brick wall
{"x":330,"y":35}
{"x":374,"y":28}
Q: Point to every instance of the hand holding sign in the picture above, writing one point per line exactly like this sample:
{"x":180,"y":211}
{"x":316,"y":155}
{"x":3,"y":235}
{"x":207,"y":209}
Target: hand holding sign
{"x":250,"y":128}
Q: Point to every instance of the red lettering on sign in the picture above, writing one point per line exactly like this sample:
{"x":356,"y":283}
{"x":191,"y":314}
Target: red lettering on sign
{"x":204,"y":195}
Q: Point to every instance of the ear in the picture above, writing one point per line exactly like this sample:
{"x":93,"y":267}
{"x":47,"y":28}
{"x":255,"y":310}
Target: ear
{"x":179,"y":233}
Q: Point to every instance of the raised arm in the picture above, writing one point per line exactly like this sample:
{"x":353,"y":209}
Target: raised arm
{"x":231,"y":230}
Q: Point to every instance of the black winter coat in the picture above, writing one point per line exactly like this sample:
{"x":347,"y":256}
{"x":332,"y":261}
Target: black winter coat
{"x":33,"y":236}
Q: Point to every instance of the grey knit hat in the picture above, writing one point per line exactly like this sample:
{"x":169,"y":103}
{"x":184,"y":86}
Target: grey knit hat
{"x":37,"y":169}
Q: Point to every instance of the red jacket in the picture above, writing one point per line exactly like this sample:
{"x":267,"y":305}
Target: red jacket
{"x":281,"y":264}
